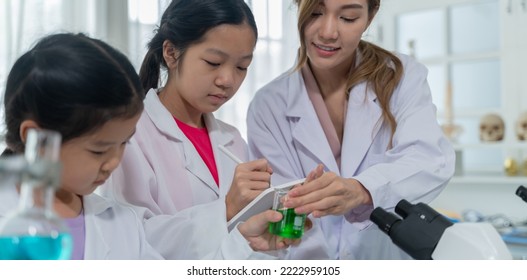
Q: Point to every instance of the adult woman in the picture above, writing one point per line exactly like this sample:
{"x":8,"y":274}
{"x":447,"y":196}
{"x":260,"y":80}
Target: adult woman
{"x":365,"y":114}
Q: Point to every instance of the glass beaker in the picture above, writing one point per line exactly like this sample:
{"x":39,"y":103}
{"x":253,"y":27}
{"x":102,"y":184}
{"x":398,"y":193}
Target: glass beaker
{"x":33,"y":231}
{"x":292,"y":224}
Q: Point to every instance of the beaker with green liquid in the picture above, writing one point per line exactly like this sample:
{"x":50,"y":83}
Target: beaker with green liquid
{"x":292,"y":225}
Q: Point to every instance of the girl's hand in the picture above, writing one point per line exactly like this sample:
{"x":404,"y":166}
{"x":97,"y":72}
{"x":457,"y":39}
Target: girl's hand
{"x":250,"y":179}
{"x":255,"y":230}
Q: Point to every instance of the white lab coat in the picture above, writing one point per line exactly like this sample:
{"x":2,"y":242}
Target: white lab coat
{"x":115,"y":231}
{"x":162,"y":171}
{"x":284,"y":128}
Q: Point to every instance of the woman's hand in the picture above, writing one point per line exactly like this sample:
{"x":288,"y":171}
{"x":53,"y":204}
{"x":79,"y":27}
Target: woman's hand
{"x":250,"y":179}
{"x":255,"y":230}
{"x":315,"y":173}
{"x":328,"y":194}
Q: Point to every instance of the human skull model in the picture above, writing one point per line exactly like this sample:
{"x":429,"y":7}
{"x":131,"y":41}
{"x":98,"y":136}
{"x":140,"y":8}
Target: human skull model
{"x":521,"y":127}
{"x":491,"y":128}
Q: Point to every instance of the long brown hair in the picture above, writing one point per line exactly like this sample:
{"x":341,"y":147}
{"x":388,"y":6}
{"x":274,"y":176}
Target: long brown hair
{"x":381,"y":69}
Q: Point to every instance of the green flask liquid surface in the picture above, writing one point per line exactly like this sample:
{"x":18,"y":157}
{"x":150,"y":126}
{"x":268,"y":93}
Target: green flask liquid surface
{"x":291,"y":226}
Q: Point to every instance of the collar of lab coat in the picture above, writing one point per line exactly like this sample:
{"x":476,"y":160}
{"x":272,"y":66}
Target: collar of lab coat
{"x":164,"y":121}
{"x":94,"y":205}
{"x":363,"y":121}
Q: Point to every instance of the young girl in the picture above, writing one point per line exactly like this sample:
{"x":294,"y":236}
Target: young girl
{"x":173,"y":162}
{"x":90,"y":93}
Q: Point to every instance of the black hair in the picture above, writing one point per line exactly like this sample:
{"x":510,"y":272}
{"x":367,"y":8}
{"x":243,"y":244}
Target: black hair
{"x":72,"y":84}
{"x":184,"y":23}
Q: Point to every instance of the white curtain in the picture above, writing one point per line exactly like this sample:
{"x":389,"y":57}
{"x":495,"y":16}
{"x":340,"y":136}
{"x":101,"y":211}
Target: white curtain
{"x":23,"y":22}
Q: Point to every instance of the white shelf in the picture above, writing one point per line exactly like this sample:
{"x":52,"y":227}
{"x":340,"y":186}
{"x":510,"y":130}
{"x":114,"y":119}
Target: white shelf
{"x":489,"y":180}
{"x":496,"y":145}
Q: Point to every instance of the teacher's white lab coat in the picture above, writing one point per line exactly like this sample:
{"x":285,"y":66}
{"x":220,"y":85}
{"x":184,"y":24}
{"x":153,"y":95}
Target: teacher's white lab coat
{"x":116,"y":232}
{"x":284,"y":128}
{"x":162,"y":171}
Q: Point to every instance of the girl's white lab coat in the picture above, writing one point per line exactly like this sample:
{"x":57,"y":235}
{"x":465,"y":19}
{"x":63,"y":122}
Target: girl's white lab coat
{"x":162,"y":171}
{"x":115,"y":231}
{"x":284,"y":128}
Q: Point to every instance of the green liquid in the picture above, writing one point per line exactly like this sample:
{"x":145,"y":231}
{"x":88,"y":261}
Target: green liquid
{"x":291,"y":226}
{"x":36,"y":247}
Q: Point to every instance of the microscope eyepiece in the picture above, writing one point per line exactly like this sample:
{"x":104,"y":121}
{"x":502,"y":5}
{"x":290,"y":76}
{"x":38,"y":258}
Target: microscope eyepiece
{"x":404,"y":208}
{"x":383,"y":219}
{"x":417,"y":232}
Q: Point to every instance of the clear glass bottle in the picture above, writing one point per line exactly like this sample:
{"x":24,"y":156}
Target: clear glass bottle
{"x":33,"y":231}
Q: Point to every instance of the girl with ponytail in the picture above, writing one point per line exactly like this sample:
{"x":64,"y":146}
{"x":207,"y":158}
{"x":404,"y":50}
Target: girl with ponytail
{"x":173,"y":164}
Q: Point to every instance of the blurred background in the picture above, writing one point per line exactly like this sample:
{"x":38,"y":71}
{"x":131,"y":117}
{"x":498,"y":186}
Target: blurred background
{"x":129,"y":24}
{"x":475,"y":50}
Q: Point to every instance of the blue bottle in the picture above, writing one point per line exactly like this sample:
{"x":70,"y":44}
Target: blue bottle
{"x":33,"y":231}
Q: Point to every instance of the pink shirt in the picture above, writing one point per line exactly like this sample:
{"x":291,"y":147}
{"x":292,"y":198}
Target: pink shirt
{"x":199,"y":137}
{"x":322,"y":112}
